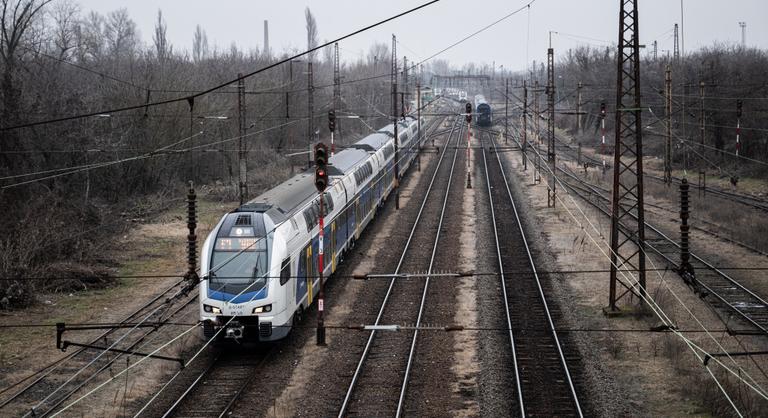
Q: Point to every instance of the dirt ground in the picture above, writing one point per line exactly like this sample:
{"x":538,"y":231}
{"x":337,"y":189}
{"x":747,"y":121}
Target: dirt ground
{"x":155,"y":247}
{"x":648,"y":374}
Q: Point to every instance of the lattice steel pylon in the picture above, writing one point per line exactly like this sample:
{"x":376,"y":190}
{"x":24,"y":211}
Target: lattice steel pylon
{"x":393,"y":81}
{"x":336,"y":85}
{"x":627,"y":215}
{"x":552,"y":188}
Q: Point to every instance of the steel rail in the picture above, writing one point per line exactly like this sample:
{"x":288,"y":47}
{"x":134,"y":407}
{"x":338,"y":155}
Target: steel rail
{"x":189,"y":389}
{"x":412,"y":352}
{"x":596,"y":191}
{"x":53,"y":366}
{"x":372,"y":335}
{"x":518,"y":386}
{"x":206,"y":372}
{"x":550,"y":322}
{"x":133,"y":346}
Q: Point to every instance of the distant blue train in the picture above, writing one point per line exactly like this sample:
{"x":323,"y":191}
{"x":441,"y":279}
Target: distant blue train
{"x":483,"y":110}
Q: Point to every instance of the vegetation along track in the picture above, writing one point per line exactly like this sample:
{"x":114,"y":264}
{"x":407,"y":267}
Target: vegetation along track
{"x":715,"y":286}
{"x":378,"y":385}
{"x":543,"y":382}
{"x":52,"y":385}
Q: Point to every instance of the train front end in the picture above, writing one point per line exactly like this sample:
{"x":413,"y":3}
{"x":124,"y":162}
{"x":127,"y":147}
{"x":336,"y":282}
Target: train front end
{"x":238,"y":299}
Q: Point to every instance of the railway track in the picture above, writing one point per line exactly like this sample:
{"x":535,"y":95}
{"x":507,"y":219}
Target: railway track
{"x":754,"y":202}
{"x":52,"y":385}
{"x":732,"y":300}
{"x":539,"y":359}
{"x":379,"y":384}
{"x":215,"y":391}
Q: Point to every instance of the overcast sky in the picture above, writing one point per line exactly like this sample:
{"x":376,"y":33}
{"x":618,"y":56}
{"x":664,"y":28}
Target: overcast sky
{"x":431,"y":29}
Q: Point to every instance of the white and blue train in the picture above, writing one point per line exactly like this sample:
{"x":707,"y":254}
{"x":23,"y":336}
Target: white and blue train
{"x":260,"y":264}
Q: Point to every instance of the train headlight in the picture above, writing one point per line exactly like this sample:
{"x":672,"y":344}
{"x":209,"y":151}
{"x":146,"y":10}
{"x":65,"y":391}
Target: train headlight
{"x":211,"y":309}
{"x":262,"y":309}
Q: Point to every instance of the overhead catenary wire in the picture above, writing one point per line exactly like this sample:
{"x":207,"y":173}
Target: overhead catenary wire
{"x":191,"y":98}
{"x":653,"y":304}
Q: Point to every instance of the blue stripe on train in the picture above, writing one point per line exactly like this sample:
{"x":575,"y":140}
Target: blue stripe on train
{"x":232,"y":298}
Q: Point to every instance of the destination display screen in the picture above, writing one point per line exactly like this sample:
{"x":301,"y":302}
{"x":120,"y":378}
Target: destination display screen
{"x":236,"y":244}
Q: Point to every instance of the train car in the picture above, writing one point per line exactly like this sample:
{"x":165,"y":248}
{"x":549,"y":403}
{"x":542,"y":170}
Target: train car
{"x":259,"y":264}
{"x":483,"y":110}
{"x":462,"y":96}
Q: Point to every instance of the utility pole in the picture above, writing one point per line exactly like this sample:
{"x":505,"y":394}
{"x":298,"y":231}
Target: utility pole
{"x":525,"y":122}
{"x":602,"y":133}
{"x":739,"y":105}
{"x":578,"y":107}
{"x":702,"y":133}
{"x":288,"y":92}
{"x":668,"y":142}
{"x":418,"y":114}
{"x":393,"y":81}
{"x":266,"y":51}
{"x":628,"y":214}
{"x":405,"y":78}
{"x":676,"y":53}
{"x":336,"y":90}
{"x":242,"y":179}
{"x":702,"y":126}
{"x":536,"y":136}
{"x":310,"y":112}
{"x":506,"y":113}
{"x":551,"y":190}
{"x":743,"y":26}
{"x":655,"y":50}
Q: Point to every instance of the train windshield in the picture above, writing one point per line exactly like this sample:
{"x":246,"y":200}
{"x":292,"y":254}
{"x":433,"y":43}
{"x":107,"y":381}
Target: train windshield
{"x":240,"y":259}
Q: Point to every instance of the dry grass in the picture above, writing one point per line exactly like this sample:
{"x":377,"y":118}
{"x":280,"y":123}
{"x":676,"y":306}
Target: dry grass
{"x":733,"y":220}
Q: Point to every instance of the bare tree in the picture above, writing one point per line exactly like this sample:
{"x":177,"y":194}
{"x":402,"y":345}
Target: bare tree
{"x":17,"y":18}
{"x":66,"y":17}
{"x":199,"y":44}
{"x":160,"y":39}
{"x":91,"y":39}
{"x":311,"y":32}
{"x":120,"y":33}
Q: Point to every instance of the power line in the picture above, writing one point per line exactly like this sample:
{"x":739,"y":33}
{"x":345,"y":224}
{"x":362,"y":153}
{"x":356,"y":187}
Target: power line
{"x":191,"y":98}
{"x":380,"y":275}
{"x":80,"y":67}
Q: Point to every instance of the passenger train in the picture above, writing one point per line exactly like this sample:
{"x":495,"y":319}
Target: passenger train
{"x":483,"y":110}
{"x":260,"y":265}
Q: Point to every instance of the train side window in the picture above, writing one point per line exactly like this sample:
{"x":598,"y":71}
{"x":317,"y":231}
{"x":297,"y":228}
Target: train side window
{"x":285,"y":272}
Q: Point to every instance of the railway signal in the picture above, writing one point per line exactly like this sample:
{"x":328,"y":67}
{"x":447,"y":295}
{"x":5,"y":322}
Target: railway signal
{"x":468,"y":109}
{"x":332,"y":127}
{"x":321,"y":167}
{"x":332,"y":120}
{"x":321,"y":182}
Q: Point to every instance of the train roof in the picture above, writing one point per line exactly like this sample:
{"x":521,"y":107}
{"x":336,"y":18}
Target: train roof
{"x":282,"y":201}
{"x":342,"y":162}
{"x":373,"y":142}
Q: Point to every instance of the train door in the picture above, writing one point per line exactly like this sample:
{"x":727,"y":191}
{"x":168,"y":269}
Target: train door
{"x":357,"y":218}
{"x":310,"y":274}
{"x":301,"y":276}
{"x":285,"y":277}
